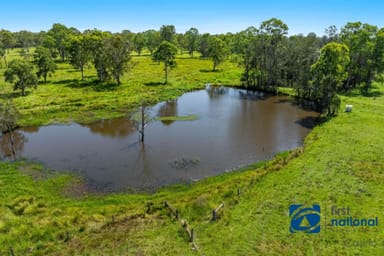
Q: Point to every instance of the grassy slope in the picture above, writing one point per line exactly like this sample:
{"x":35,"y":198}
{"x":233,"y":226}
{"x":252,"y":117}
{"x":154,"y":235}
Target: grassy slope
{"x":341,"y":164}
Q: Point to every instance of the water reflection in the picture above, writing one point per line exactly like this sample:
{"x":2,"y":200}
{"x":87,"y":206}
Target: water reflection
{"x":115,"y":128}
{"x":168,"y":108}
{"x":12,"y":145}
{"x":251,"y":95}
{"x":217,"y":92}
{"x":30,"y":129}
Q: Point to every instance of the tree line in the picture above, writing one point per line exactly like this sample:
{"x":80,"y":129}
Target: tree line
{"x":316,"y":67}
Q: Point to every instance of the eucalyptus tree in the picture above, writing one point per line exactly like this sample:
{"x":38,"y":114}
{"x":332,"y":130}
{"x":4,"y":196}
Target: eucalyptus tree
{"x":118,"y":56}
{"x":167,"y":33}
{"x":21,"y":74}
{"x":152,"y":39}
{"x":329,"y":73}
{"x":166,"y":53}
{"x":217,"y":51}
{"x":361,"y":39}
{"x":192,"y":39}
{"x":138,"y":42}
{"x":25,"y":39}
{"x":204,"y":45}
{"x":272,"y":33}
{"x":60,"y":35}
{"x":97,"y":40}
{"x":80,"y":52}
{"x":7,"y":41}
{"x":44,"y":62}
{"x":378,"y":52}
{"x":302,"y":52}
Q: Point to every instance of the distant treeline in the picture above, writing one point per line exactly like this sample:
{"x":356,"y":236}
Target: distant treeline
{"x":316,"y":67}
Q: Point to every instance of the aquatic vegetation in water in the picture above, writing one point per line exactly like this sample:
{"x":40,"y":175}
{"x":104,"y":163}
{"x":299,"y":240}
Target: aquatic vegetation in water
{"x":184,"y":163}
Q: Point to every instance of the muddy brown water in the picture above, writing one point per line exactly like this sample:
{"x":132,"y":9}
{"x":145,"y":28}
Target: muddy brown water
{"x":234,"y":128}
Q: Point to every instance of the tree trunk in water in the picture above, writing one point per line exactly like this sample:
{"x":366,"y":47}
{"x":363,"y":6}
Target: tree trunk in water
{"x":142,"y":123}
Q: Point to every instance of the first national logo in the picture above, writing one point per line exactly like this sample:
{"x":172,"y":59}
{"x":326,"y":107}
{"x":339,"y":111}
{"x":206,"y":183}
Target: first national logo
{"x":304,"y":218}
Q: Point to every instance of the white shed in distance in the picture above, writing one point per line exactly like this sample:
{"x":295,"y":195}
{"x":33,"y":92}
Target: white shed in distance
{"x":348,"y":108}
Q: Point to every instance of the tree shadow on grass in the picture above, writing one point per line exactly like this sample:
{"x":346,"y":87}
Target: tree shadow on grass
{"x":372,"y":93}
{"x":65,"y":81}
{"x":93,"y":84}
{"x":14,"y":94}
{"x":105,"y":87}
{"x":210,"y":70}
{"x":154,"y":83}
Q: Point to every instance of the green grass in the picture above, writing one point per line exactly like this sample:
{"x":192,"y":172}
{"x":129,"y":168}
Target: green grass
{"x":341,"y":164}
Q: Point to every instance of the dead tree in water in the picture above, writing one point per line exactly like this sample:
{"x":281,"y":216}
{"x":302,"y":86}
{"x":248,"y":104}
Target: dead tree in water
{"x":141,"y":119}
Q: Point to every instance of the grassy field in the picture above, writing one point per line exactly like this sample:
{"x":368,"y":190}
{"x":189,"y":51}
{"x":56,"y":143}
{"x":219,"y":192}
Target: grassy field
{"x":341,"y":164}
{"x":65,"y":98}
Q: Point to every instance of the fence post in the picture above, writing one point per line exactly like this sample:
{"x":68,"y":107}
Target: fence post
{"x":192,"y":235}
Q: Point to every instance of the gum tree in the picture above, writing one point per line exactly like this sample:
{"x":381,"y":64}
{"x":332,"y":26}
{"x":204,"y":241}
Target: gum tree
{"x":329,"y":74}
{"x":217,"y":51}
{"x":44,"y":62}
{"x":20,"y":73}
{"x":166,"y":53}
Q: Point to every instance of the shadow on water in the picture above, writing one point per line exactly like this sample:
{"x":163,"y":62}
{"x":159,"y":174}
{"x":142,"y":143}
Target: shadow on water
{"x":308,"y":122}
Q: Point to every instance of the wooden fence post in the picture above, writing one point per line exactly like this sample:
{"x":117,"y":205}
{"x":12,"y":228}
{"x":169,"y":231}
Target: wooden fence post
{"x":215,"y":211}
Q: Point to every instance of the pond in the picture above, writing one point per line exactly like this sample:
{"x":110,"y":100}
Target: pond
{"x":233,"y":128}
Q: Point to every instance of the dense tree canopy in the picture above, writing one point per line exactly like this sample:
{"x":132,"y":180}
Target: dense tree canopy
{"x":329,"y":73}
{"x":217,"y":51}
{"x":80,"y":52}
{"x":167,"y":33}
{"x":166,"y":53}
{"x":20,"y":73}
{"x":44,"y":62}
{"x":192,"y":39}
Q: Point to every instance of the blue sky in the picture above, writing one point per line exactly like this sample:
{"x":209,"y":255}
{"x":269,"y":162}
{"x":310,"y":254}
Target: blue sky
{"x":207,"y":16}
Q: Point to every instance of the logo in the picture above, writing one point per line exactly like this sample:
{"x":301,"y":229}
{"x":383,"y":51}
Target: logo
{"x":304,"y":219}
